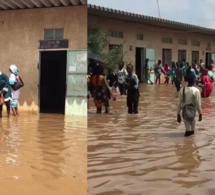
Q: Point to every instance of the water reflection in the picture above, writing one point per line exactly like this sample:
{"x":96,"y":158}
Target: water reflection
{"x":147,"y":153}
{"x":45,"y":153}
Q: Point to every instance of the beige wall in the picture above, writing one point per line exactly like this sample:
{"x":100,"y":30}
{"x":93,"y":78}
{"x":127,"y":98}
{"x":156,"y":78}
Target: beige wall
{"x":152,"y":38}
{"x":20,"y":33}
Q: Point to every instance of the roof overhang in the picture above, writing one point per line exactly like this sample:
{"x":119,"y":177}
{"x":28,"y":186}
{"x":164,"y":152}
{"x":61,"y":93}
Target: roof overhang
{"x":31,"y":4}
{"x":94,"y":10}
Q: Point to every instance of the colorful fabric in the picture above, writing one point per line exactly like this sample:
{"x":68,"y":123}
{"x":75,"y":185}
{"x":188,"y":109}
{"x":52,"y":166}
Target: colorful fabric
{"x":5,"y":86}
{"x":173,"y":73}
{"x":100,"y":91}
{"x":14,"y":104}
{"x":208,"y":87}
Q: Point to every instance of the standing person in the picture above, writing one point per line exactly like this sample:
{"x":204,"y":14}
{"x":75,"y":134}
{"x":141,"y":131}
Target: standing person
{"x":210,"y":73}
{"x":15,"y":93}
{"x":201,"y":63}
{"x":158,"y":71}
{"x":167,"y":73}
{"x":5,"y":91}
{"x":111,"y":78}
{"x":132,"y":83}
{"x":189,"y":102}
{"x":172,"y":72}
{"x":148,"y":71}
{"x":178,"y":77}
{"x":206,"y":86}
{"x":100,"y":90}
{"x":121,"y":75}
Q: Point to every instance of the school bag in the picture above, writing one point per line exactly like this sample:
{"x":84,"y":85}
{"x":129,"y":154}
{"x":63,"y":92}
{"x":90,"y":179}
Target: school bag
{"x":188,"y":111}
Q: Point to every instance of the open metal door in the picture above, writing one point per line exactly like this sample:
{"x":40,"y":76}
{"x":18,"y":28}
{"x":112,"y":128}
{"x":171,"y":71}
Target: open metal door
{"x":76,"y":95}
{"x":151,"y":55}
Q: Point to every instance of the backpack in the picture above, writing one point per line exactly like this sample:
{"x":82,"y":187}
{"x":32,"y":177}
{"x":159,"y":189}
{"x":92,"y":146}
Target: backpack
{"x":188,"y":111}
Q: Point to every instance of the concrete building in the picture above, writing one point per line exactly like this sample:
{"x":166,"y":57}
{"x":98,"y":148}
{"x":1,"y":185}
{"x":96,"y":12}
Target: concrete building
{"x":47,"y":40}
{"x":149,"y":37}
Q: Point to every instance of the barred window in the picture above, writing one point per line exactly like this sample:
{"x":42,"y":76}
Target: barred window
{"x":167,"y":40}
{"x":115,"y":34}
{"x":182,"y":42}
{"x":53,"y":34}
{"x":140,"y":37}
{"x":196,"y":43}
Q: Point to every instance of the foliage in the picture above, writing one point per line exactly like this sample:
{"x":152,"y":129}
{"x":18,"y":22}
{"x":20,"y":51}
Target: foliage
{"x":98,"y":43}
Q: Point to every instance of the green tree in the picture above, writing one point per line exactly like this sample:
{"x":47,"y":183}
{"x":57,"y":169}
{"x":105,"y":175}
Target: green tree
{"x":98,"y":43}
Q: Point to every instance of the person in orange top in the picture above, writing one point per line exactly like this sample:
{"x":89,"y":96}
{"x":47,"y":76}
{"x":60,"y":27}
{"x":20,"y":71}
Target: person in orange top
{"x":100,"y":90}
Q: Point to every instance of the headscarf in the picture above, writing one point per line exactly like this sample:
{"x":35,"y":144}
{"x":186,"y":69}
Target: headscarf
{"x":14,"y":69}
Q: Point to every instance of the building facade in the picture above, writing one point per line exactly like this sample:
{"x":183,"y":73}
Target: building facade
{"x":148,"y":37}
{"x":47,"y":40}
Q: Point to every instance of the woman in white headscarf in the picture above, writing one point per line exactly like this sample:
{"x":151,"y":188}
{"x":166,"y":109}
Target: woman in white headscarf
{"x":15,"y":93}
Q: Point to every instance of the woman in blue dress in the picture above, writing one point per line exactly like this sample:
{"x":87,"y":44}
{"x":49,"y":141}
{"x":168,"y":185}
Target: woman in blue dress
{"x":5,"y":90}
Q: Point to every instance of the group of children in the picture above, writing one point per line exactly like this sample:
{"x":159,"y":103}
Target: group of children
{"x":10,"y":90}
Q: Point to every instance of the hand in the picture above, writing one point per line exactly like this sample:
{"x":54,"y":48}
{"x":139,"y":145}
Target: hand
{"x":179,"y":118}
{"x":200,"y":117}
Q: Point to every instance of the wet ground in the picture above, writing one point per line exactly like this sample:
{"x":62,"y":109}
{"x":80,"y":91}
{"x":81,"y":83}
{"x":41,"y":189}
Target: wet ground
{"x":146,"y":154}
{"x":43,"y":154}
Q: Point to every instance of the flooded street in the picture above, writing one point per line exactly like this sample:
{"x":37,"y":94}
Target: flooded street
{"x":43,"y":154}
{"x":146,"y":154}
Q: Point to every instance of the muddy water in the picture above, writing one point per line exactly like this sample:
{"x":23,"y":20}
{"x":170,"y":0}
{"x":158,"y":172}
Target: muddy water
{"x":147,"y":154}
{"x":43,"y":154}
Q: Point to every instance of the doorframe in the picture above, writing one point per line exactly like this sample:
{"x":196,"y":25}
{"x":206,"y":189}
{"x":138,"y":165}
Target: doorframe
{"x":142,"y":66}
{"x":39,"y":72}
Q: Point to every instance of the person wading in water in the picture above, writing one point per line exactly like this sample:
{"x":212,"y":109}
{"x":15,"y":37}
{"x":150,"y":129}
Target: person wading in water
{"x":189,"y":102}
{"x":148,"y":71}
{"x":133,"y":94}
{"x":100,"y":90}
{"x":178,"y":77}
{"x":158,"y":72}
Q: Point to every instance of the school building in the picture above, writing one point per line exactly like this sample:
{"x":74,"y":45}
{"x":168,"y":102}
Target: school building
{"x":153,"y":38}
{"x":47,"y":40}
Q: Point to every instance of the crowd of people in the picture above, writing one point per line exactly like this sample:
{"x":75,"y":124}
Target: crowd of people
{"x":10,"y":91}
{"x":198,"y":77}
{"x":177,"y":71}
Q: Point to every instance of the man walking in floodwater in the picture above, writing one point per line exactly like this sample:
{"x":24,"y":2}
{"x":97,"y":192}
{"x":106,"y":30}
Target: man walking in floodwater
{"x":189,"y":102}
{"x":121,"y":75}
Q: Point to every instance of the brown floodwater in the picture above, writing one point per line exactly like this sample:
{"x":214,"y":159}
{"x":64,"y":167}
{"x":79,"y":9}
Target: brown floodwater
{"x":147,"y":153}
{"x":43,"y":154}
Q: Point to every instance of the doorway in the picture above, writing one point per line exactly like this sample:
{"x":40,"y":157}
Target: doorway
{"x":52,"y":81}
{"x":208,"y":59}
{"x":140,"y":59}
{"x":166,"y":56}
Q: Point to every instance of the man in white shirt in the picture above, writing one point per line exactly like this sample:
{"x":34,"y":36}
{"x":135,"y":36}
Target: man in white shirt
{"x":189,"y":98}
{"x":121,"y":75}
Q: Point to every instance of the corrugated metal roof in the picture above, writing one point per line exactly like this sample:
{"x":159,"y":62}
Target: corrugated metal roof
{"x":30,"y":4}
{"x":138,"y":18}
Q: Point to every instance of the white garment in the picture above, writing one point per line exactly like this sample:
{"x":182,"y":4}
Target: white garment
{"x":121,"y":75}
{"x":15,"y":94}
{"x":192,"y":96}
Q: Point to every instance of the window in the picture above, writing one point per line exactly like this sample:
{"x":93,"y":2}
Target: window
{"x":112,"y":46}
{"x":140,"y":37}
{"x":116,"y":34}
{"x":167,"y":40}
{"x":182,"y":42}
{"x":182,"y":54}
{"x":166,"y":56}
{"x":195,"y":56}
{"x":53,"y":34}
{"x":196,"y":43}
{"x":92,"y":31}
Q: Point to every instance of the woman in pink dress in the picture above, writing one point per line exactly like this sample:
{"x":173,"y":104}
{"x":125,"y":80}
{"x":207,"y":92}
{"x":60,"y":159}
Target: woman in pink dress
{"x":207,"y":85}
